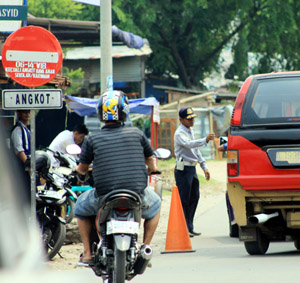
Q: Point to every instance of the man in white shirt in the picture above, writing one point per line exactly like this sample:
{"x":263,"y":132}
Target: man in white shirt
{"x":65,"y":138}
{"x":20,"y":144}
{"x":20,"y":135}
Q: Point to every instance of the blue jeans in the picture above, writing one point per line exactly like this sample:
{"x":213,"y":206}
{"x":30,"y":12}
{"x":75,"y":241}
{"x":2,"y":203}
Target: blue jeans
{"x":88,"y":205}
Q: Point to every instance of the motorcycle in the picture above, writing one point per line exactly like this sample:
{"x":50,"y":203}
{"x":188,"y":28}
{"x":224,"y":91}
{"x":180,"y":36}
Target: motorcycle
{"x":71,"y":196}
{"x":67,"y":164}
{"x":117,"y":256}
{"x":51,"y":205}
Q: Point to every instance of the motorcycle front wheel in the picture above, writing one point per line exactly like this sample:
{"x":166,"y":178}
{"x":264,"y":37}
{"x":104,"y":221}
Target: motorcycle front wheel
{"x":54,"y":236}
{"x":69,"y":210}
{"x":118,"y":273}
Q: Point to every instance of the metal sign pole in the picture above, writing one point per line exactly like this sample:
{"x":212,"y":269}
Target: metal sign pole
{"x":106,"y":46}
{"x":32,"y":165}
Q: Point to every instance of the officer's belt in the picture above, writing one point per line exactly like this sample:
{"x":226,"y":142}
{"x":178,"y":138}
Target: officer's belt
{"x":187,"y":163}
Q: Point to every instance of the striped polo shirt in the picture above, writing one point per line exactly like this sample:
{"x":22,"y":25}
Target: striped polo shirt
{"x":118,"y":155}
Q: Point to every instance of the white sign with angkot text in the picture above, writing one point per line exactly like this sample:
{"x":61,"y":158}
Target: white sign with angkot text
{"x":32,"y":99}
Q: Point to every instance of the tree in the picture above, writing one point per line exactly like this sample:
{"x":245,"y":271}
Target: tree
{"x":76,"y":78}
{"x":187,"y":36}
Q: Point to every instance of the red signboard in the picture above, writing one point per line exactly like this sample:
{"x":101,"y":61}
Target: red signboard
{"x":32,"y":56}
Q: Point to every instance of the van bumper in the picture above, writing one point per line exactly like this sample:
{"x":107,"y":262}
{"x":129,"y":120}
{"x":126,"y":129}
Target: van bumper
{"x":248,"y":203}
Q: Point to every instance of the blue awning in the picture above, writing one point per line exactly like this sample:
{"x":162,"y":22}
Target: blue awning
{"x":87,"y":106}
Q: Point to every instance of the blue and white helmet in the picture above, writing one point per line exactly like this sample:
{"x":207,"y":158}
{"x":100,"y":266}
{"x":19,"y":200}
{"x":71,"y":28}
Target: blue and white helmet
{"x":113,"y":106}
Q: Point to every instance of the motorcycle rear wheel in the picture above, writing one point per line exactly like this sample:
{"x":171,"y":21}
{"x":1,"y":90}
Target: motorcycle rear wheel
{"x":118,"y":274}
{"x":57,"y":239}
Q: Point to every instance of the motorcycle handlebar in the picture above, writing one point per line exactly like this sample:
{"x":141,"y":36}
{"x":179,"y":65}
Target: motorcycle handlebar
{"x":158,"y":172}
{"x":47,"y":148}
{"x":80,"y":177}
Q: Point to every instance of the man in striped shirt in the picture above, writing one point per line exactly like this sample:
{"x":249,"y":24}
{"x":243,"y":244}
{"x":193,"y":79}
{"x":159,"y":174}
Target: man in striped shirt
{"x":119,"y":155}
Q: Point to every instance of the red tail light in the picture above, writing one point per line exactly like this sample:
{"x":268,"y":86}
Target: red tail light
{"x":232,"y":163}
{"x":238,"y":106}
{"x":122,"y":208}
{"x":122,"y":211}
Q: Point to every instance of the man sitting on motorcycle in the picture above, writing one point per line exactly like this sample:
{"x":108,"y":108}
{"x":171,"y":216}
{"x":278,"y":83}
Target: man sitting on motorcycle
{"x":65,"y":138}
{"x":119,"y":155}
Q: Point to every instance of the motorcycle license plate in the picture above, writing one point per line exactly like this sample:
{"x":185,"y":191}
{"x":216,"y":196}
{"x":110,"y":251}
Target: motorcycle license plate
{"x":122,"y":227}
{"x":52,"y":194}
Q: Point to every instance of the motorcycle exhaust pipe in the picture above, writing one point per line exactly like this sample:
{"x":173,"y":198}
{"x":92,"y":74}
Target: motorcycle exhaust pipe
{"x":261,"y":218}
{"x":143,"y":259}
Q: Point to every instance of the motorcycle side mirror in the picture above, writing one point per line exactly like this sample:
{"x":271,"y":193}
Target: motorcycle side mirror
{"x":162,"y":153}
{"x":73,"y":149}
{"x":222,"y":140}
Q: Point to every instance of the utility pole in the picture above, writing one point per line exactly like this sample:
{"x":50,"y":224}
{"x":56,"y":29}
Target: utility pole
{"x":106,"y":46}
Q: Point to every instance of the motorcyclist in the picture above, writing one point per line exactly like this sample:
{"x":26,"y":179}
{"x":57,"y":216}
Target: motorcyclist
{"x":119,"y":155}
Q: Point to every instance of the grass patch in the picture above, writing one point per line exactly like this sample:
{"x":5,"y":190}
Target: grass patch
{"x":166,"y":193}
{"x":167,"y":164}
{"x":170,"y":164}
{"x":202,"y":180}
{"x":216,"y":160}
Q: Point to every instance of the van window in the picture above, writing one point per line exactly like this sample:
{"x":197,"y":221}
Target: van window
{"x":273,"y":101}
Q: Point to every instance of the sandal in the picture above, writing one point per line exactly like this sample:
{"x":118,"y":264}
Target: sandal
{"x":84,"y":262}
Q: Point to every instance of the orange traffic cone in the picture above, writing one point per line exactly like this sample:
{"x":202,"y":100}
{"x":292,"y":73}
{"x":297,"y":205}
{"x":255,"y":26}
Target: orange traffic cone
{"x":178,"y":239}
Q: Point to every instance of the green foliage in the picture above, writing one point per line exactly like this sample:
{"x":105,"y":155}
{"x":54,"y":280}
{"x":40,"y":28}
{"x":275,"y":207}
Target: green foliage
{"x":139,"y":123}
{"x":76,"y":78}
{"x":166,"y":164}
{"x":202,"y":180}
{"x":56,"y":9}
{"x":233,"y":87}
{"x":89,"y":13}
{"x":187,"y":36}
{"x":239,"y":68}
{"x":170,"y":165}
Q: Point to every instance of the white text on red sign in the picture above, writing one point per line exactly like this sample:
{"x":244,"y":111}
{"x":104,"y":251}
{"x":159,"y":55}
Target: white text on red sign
{"x":32,"y":64}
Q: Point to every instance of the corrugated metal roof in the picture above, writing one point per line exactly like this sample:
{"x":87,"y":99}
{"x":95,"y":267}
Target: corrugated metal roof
{"x":63,"y":23}
{"x":94,"y":52}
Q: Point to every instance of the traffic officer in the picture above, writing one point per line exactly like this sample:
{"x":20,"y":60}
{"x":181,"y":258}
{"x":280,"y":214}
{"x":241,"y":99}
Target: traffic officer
{"x":187,"y":156}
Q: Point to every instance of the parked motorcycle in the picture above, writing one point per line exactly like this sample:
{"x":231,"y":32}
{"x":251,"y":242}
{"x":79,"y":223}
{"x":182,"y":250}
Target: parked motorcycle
{"x":51,"y":205}
{"x":118,"y":256}
{"x":67,"y":164}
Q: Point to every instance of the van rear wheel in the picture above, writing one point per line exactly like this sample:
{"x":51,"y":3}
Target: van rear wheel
{"x":233,"y":230}
{"x":258,"y":247}
{"x":297,"y":243}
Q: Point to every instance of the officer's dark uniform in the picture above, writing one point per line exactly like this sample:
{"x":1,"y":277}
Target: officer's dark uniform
{"x":187,"y":156}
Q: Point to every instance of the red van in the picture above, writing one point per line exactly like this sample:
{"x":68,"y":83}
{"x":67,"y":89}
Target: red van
{"x":263,"y":160}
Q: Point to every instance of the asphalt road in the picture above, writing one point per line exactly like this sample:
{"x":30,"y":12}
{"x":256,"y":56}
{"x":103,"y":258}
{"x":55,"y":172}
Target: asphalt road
{"x":219,"y":258}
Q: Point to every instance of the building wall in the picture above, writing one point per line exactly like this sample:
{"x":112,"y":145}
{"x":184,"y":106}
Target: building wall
{"x":159,"y":94}
{"x":126,"y":69}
